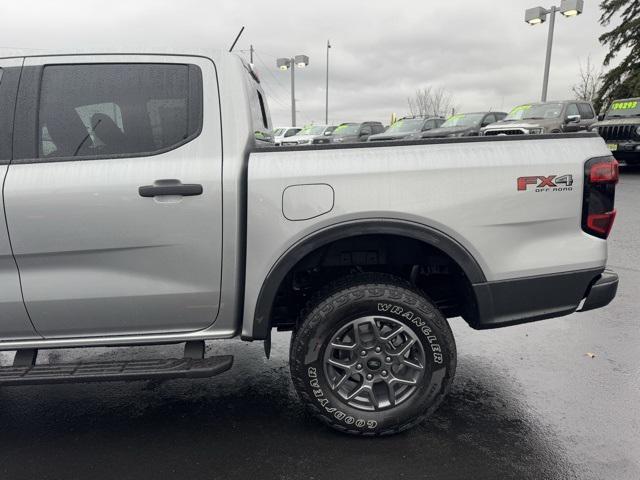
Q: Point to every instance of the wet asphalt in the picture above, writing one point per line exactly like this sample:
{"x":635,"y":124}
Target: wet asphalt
{"x":528,"y":402}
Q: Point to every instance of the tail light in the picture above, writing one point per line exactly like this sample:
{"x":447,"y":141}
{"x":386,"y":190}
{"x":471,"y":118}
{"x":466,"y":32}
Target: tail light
{"x":598,"y":212}
{"x":604,"y":172}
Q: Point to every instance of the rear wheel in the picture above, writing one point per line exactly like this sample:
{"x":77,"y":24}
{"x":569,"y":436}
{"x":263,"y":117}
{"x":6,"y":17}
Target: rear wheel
{"x":372,"y":356}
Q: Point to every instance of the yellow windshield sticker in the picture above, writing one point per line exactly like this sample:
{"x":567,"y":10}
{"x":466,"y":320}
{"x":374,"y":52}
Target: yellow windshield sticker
{"x":520,"y":108}
{"x":624,"y":105}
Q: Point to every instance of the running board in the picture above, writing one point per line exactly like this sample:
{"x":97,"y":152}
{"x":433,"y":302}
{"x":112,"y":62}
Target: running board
{"x":84,"y":372}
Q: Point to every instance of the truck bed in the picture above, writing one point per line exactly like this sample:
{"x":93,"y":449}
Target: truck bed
{"x":466,"y":188}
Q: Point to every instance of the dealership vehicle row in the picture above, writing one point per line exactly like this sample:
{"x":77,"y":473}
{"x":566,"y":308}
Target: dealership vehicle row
{"x":619,"y":126}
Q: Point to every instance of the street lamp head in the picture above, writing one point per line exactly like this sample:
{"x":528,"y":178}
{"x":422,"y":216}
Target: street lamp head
{"x":301,"y":61}
{"x":571,"y":8}
{"x":535,"y":16}
{"x":283,"y":63}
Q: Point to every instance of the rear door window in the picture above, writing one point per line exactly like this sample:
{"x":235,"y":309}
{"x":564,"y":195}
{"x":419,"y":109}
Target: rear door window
{"x":586,"y":112}
{"x":105,"y":110}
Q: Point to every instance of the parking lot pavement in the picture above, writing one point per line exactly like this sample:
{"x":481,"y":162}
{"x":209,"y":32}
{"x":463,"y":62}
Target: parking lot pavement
{"x":528,"y":402}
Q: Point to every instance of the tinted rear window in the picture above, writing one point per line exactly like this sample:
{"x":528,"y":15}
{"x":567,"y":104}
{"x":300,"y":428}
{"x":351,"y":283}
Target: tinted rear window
{"x":586,"y":111}
{"x":118,"y":109}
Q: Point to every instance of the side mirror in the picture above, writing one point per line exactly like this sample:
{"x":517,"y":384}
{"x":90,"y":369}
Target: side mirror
{"x":601,"y":117}
{"x":573,"y":119}
{"x":328,"y":132}
{"x":365,"y":134}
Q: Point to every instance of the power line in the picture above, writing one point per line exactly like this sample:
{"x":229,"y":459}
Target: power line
{"x":284,"y":90}
{"x":274,"y":97}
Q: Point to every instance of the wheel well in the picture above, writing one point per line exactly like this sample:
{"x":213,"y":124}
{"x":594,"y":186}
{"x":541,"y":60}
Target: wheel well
{"x":426,"y":266}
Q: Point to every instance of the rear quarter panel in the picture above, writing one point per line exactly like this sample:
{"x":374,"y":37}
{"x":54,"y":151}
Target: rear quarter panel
{"x":466,"y":190}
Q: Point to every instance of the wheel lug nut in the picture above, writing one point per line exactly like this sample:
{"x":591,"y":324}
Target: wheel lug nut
{"x":363,"y":353}
{"x":369,"y":377}
{"x":359,"y":366}
{"x":384,"y":373}
{"x":378,"y":349}
{"x":388,"y":359}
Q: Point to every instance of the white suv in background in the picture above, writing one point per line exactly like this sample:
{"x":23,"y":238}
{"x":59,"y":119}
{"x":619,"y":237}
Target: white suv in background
{"x":280,"y":133}
{"x":307,"y":134}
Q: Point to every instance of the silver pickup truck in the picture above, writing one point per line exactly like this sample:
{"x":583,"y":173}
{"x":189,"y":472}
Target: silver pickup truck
{"x":143,"y":204}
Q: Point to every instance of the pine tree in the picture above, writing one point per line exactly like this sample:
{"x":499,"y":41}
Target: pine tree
{"x":622,"y":81}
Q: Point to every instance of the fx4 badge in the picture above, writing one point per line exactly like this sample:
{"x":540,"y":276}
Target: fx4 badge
{"x":552,"y":183}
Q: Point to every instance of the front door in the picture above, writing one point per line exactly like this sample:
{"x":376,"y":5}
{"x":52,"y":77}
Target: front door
{"x":113,"y":199}
{"x":572,"y":109}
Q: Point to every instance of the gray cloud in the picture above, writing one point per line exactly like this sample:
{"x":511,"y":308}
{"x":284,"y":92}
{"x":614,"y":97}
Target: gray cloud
{"x":382,"y":51}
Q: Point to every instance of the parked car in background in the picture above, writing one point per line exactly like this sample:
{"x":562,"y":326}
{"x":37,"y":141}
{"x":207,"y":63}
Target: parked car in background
{"x":355,"y":132}
{"x":281,"y":133}
{"x":620,"y":128}
{"x":547,"y":117}
{"x":408,"y":127}
{"x":464,"y":125}
{"x":308,"y":134}
{"x":514,"y":116}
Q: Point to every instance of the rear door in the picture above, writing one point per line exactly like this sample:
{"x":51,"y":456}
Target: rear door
{"x":14,"y":321}
{"x":113,"y":199}
{"x":587,"y":115}
{"x":364,"y":133}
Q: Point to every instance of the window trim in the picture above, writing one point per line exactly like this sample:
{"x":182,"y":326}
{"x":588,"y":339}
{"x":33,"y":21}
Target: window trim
{"x":9,"y":80}
{"x":26,"y":146}
{"x":263,"y":111}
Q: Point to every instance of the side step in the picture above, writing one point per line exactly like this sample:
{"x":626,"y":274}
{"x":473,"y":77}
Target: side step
{"x":84,"y":372}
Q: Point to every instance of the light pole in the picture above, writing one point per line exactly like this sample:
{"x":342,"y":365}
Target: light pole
{"x":538,"y":15}
{"x":299,"y":61}
{"x":326,"y":104}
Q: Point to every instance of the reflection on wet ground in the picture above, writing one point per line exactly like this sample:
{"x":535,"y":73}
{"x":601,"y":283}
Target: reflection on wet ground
{"x":248,"y":423}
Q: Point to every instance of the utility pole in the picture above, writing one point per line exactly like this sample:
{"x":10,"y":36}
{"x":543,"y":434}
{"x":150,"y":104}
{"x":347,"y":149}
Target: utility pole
{"x":251,"y":54}
{"x":326,"y":107}
{"x":538,"y":15}
{"x":299,"y":61}
{"x":293,"y":93}
{"x":547,"y":62}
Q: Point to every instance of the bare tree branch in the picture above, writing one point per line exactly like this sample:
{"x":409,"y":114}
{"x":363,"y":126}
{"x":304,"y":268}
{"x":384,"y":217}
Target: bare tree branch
{"x":431,"y":102}
{"x":589,"y":82}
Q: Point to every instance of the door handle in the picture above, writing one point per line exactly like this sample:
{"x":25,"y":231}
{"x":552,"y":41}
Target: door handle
{"x":180,"y":189}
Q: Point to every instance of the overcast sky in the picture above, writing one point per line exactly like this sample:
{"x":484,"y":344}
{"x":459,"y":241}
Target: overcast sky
{"x":481,"y":51}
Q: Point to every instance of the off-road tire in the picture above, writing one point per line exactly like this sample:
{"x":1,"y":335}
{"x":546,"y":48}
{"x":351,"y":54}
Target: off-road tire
{"x":378,"y":296}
